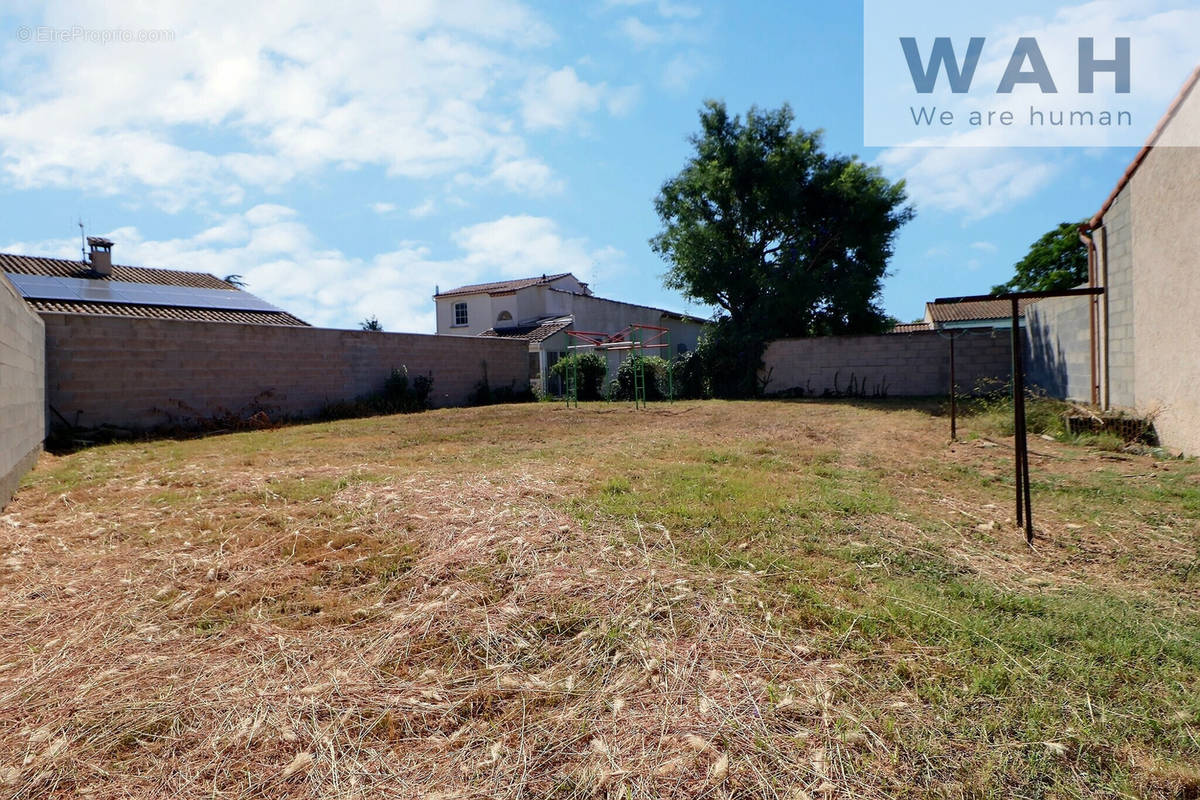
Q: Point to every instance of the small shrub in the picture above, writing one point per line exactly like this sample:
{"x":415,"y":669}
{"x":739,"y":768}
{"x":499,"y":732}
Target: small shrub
{"x":994,"y":407}
{"x":592,"y":369}
{"x":690,"y":375}
{"x":657,"y":373}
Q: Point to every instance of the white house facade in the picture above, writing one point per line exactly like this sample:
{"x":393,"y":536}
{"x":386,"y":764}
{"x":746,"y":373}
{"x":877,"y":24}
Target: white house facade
{"x":541,"y":310}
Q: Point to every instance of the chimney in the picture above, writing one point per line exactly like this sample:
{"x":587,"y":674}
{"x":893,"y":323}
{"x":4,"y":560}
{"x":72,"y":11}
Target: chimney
{"x":100,"y":256}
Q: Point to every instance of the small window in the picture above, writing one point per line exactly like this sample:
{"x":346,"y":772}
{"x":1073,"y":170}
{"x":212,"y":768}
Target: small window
{"x":460,"y":313}
{"x":504,"y":316}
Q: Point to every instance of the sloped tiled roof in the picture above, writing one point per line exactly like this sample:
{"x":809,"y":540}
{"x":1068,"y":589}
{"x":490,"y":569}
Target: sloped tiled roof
{"x":970,"y":310}
{"x":501,"y":287}
{"x":167,"y":312}
{"x":61,"y":268}
{"x":912,"y":327}
{"x":537,"y":332}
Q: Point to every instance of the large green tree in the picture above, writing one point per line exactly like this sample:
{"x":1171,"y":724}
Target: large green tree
{"x":1058,"y":260}
{"x":784,"y":238}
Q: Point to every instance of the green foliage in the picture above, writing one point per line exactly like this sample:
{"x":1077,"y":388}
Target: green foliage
{"x":1058,"y":260}
{"x":1043,"y":415}
{"x":717,"y":367}
{"x":592,"y":369}
{"x":656,"y":370}
{"x":784,"y":238}
{"x":371,"y":323}
{"x":691,"y":375}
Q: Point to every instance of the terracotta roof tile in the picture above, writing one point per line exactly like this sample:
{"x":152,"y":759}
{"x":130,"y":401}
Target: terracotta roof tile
{"x":499,"y":287}
{"x":167,"y":312}
{"x":61,"y":268}
{"x":912,"y":327}
{"x":974,"y":309}
{"x":531,"y":333}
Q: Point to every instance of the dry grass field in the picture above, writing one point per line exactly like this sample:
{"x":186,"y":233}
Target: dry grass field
{"x":724,"y":600}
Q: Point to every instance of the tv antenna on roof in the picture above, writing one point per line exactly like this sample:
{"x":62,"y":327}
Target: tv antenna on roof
{"x":82,"y":243}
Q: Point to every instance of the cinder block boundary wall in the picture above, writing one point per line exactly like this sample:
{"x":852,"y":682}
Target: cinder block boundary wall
{"x":904,"y":364}
{"x":22,"y":389}
{"x":1058,"y":347}
{"x":134,"y":373}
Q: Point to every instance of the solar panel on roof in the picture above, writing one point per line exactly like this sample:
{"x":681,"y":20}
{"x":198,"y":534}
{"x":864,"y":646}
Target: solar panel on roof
{"x":44,"y":287}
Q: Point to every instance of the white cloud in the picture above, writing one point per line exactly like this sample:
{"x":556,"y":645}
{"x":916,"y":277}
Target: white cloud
{"x":282,"y":262}
{"x":421,"y":91}
{"x":382,"y":209}
{"x":984,"y":247}
{"x":681,"y":71}
{"x":527,"y":176}
{"x":516,"y":246}
{"x":424,"y":209}
{"x":975,"y":182}
{"x":665,"y":8}
{"x":556,"y":99}
{"x":641,"y":34}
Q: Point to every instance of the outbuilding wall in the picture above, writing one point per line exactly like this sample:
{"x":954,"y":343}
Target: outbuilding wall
{"x":22,"y":388}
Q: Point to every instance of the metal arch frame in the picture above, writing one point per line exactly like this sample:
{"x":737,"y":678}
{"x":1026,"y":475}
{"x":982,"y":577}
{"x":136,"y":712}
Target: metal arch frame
{"x":632,"y":337}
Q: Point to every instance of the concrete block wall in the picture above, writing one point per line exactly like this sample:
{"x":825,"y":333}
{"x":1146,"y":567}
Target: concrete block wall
{"x":128,"y":372}
{"x":1058,"y":347}
{"x":22,"y":388}
{"x":907,"y":364}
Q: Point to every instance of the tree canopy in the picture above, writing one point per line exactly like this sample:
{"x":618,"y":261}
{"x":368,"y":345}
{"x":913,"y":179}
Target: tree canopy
{"x":780,"y":235}
{"x":1058,"y":260}
{"x":784,"y":238}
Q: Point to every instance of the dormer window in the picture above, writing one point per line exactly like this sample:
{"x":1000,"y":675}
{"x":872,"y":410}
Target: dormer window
{"x":460,"y":314}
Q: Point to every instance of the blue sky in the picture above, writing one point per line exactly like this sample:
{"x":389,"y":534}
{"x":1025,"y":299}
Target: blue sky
{"x":346,"y":162}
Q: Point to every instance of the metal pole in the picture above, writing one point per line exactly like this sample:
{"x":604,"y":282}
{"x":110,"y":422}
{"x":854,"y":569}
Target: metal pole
{"x":1024,"y":501}
{"x":1018,"y":480}
{"x":670,"y":370}
{"x":953,"y":395}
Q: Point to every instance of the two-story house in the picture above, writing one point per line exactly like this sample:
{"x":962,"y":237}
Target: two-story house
{"x":541,"y":310}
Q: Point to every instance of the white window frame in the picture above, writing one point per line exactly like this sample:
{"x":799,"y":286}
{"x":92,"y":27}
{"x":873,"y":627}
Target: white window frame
{"x":465,"y":317}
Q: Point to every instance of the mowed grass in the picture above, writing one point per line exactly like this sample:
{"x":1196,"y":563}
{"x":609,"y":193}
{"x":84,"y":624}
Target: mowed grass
{"x":860,"y":617}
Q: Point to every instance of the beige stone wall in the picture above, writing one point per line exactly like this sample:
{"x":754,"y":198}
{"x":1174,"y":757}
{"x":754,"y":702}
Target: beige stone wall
{"x":22,"y":388}
{"x":134,"y":372}
{"x":1166,"y":292}
{"x":902,"y":364}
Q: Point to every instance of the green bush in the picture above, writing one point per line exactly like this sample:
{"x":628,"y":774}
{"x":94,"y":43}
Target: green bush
{"x":729,"y":359}
{"x":657,"y":373}
{"x":994,"y":405}
{"x":592,"y":369}
{"x":691,"y":376}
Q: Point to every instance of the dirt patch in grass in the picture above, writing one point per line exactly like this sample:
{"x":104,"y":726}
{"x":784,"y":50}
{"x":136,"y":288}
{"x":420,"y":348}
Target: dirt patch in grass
{"x":702,"y":600}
